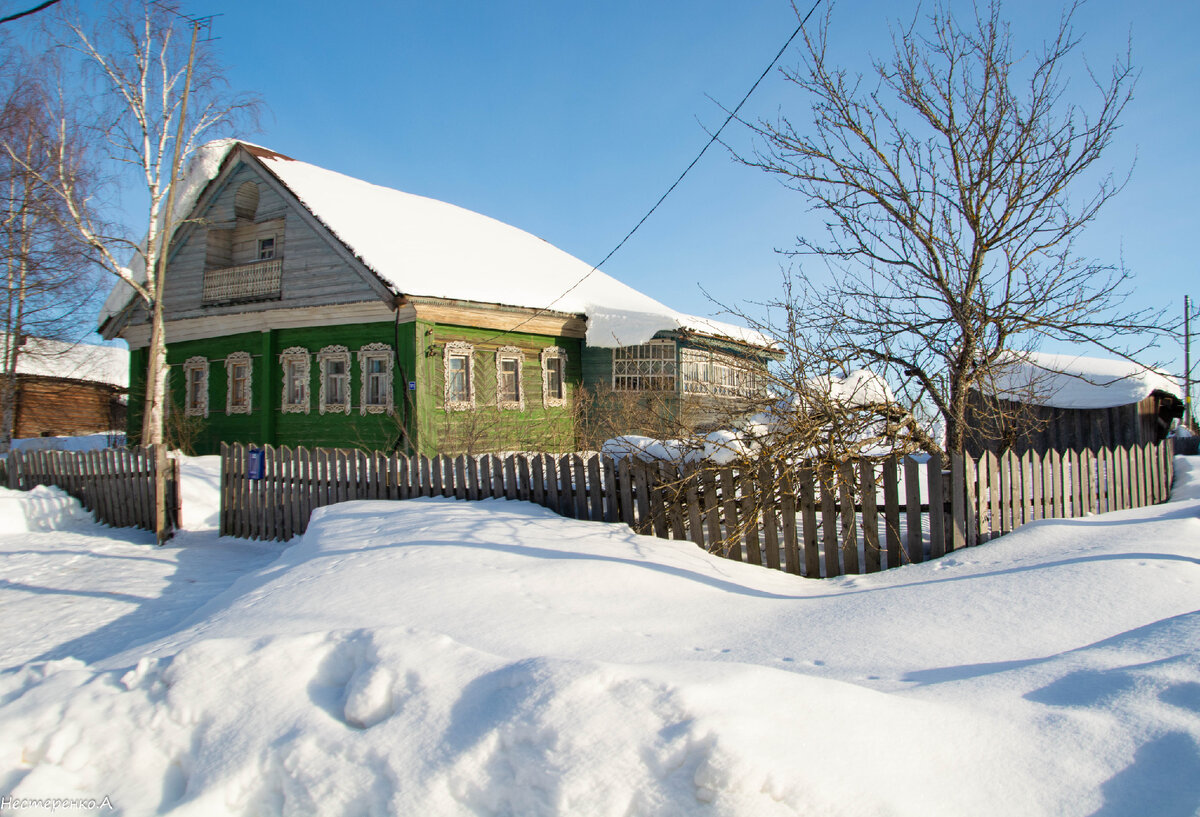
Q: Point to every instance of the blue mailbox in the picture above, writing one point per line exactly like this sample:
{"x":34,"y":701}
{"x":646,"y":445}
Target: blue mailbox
{"x":256,"y":463}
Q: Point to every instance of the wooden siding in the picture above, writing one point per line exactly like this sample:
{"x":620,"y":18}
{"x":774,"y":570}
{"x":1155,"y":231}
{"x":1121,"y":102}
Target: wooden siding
{"x":314,"y":271}
{"x":55,"y":407}
{"x":1045,"y":428}
{"x":486,"y":427}
{"x":266,"y":424}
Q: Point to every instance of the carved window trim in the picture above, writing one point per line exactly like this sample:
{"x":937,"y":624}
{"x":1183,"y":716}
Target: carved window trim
{"x":554,"y":353}
{"x":231,"y":363}
{"x":376,"y":351}
{"x":328,"y":355}
{"x":503,"y":354}
{"x":465,"y":351}
{"x":195,"y":389}
{"x":299,"y":356}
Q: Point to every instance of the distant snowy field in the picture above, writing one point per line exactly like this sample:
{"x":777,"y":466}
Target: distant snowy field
{"x":434,"y":657}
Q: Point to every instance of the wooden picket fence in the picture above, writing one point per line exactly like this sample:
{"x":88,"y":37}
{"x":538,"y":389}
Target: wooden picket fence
{"x":860,"y":517}
{"x":115,"y":484}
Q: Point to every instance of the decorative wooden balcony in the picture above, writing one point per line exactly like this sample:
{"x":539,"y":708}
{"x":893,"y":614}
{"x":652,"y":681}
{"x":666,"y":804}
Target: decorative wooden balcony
{"x":249,"y":282}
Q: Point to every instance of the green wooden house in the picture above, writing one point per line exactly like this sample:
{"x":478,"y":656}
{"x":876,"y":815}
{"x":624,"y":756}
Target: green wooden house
{"x":305,"y":307}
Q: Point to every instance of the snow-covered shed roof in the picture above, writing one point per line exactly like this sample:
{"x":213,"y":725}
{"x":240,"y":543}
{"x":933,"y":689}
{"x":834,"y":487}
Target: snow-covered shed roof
{"x":1072,"y":381}
{"x":423,"y":247}
{"x":43,"y":357}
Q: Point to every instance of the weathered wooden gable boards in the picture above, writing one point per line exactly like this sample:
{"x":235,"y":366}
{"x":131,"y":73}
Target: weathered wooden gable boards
{"x":315,"y":268}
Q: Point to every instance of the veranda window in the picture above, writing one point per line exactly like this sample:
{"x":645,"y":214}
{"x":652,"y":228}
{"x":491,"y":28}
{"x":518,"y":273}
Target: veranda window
{"x":648,"y":367}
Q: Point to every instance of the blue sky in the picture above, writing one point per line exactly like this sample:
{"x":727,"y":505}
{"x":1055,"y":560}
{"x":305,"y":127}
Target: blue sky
{"x":570,"y":119}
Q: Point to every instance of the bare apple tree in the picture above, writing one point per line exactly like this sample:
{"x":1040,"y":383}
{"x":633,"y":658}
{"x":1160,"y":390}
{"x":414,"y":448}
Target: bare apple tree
{"x":955,"y":180}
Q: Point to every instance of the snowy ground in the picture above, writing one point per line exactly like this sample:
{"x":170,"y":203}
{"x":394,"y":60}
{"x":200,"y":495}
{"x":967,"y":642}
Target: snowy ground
{"x":439,"y":658}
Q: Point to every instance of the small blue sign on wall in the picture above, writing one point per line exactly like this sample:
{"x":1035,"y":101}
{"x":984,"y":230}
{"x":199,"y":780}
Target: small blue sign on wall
{"x":256,"y":463}
{"x":412,"y":385}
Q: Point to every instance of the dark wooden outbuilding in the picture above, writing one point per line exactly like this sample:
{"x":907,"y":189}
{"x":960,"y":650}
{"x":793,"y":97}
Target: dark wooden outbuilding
{"x":1073,"y":403}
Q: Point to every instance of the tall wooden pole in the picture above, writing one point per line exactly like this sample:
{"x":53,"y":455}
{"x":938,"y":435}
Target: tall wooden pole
{"x":1187,"y":363}
{"x":160,"y":450}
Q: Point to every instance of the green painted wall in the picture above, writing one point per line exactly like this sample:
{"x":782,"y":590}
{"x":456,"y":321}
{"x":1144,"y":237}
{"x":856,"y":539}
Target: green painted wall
{"x":488,"y":428}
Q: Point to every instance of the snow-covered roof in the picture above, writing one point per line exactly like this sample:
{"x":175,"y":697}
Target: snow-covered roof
{"x":43,"y":357}
{"x":1072,"y":381}
{"x":861,"y":387}
{"x":424,"y":247}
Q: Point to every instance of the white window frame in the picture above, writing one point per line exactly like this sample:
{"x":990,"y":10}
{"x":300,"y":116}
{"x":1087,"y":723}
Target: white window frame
{"x":334,"y":354}
{"x":376,"y":351}
{"x":231,"y":362}
{"x":259,"y":248}
{"x":197,"y":407}
{"x":635,"y":367}
{"x":466,"y":351}
{"x":299,"y":356}
{"x":554,"y":353}
{"x":506,"y":353}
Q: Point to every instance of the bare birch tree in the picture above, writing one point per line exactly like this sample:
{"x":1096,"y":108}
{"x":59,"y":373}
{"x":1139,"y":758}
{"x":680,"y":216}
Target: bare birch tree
{"x":49,"y":286}
{"x":158,"y":94}
{"x":955,"y":180}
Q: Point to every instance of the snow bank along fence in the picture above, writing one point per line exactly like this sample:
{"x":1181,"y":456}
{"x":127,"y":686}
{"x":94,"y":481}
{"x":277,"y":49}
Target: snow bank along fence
{"x":115,"y":484}
{"x":861,"y":516}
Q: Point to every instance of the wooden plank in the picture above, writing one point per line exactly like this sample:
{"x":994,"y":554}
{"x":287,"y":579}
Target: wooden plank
{"x":872,"y":561}
{"x":976,"y":498}
{"x":595,"y":489}
{"x":957,"y":538}
{"x":658,"y":511}
{"x":808,"y":513}
{"x":566,"y":498}
{"x":641,"y":476}
{"x":767,"y":490}
{"x":551,"y":470}
{"x":994,"y":495}
{"x":787,"y":513}
{"x":712,"y":511}
{"x":625,"y":484}
{"x":523,"y":492}
{"x":847,"y":488}
{"x":732,"y":543}
{"x":937,"y":507}
{"x":499,"y":490}
{"x":691,"y":478}
{"x":537,"y":478}
{"x":891,"y":509}
{"x":511,"y":491}
{"x":748,"y":517}
{"x":833,"y":566}
{"x":460,"y":476}
{"x":223,"y":504}
{"x":579,"y":486}
{"x":914,"y":540}
{"x":610,"y":488}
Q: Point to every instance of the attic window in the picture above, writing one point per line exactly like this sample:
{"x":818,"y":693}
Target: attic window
{"x":266,"y":248}
{"x":245,"y":201}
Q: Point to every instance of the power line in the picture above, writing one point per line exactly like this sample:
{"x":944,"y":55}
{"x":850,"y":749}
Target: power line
{"x":33,"y":10}
{"x":663,"y":197}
